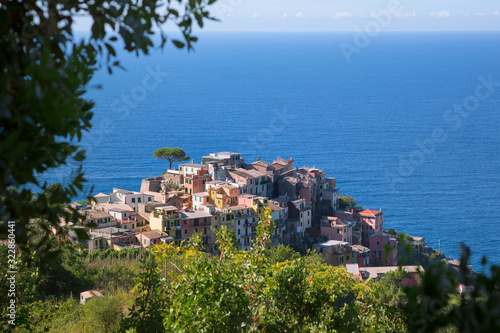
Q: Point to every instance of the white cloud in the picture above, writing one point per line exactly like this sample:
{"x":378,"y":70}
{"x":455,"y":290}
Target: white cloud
{"x":479,"y":14}
{"x":443,"y":13}
{"x":229,"y":15}
{"x":255,"y":15}
{"x":496,"y":13}
{"x":343,"y":14}
{"x":284,"y":16}
{"x":413,"y":14}
{"x":300,"y":15}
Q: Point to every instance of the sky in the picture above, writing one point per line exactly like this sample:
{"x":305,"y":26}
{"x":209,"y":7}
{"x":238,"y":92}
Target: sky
{"x":352,"y":15}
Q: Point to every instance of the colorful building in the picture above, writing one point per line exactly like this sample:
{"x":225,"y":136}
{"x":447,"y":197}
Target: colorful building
{"x":335,"y":253}
{"x":372,"y":222}
{"x":383,"y":249}
{"x":336,"y":229}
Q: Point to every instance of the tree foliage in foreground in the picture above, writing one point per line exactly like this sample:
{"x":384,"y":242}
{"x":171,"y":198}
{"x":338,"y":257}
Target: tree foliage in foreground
{"x":246,"y":291}
{"x":181,"y":289}
{"x":45,"y":72}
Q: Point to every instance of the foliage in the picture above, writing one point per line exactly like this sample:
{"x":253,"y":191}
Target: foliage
{"x":241,"y":291}
{"x":171,"y":155}
{"x":103,"y":314}
{"x":435,"y":304}
{"x":392,"y":287}
{"x":45,"y":73}
{"x":172,"y":186}
{"x":346,"y":201}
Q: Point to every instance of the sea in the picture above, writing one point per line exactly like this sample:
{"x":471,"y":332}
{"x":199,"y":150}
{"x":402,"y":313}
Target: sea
{"x":407,"y":122}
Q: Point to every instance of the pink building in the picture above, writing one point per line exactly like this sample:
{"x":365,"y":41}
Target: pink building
{"x":372,"y":222}
{"x":378,"y":243}
{"x":336,"y":229}
{"x":151,"y":238}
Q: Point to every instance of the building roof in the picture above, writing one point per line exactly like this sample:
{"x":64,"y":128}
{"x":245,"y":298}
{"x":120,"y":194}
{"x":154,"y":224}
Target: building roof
{"x":353,"y":269}
{"x":90,"y":293}
{"x":370,"y":212}
{"x":374,"y":272}
{"x":223,"y":154}
{"x":116,"y":207}
{"x":166,"y":208}
{"x":359,"y":248}
{"x":383,"y":234}
{"x":238,"y":207}
{"x":331,"y":243}
{"x":199,"y":214}
{"x":154,"y":234}
{"x":261,"y":163}
{"x":247,"y":173}
{"x":201,"y":194}
{"x":192,"y":165}
{"x":280,"y":199}
{"x":335,"y":221}
{"x":95,"y":214}
{"x":100,"y":195}
{"x":275,"y":208}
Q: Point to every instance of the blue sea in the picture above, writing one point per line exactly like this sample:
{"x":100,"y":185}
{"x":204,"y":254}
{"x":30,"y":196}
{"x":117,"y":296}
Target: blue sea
{"x":390,"y":124}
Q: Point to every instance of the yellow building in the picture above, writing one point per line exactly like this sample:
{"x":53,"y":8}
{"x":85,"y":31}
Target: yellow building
{"x":167,"y":219}
{"x":223,"y":195}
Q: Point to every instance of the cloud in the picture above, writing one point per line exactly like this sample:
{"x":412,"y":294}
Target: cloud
{"x":443,"y":13}
{"x":496,"y":13}
{"x":229,"y":15}
{"x":343,"y":14}
{"x":479,"y":14}
{"x":300,"y":15}
{"x":413,"y":14}
{"x":284,"y":16}
{"x":255,"y":15}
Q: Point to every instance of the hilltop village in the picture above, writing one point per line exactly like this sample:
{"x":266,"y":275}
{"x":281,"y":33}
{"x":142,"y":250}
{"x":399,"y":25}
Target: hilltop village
{"x":224,"y":190}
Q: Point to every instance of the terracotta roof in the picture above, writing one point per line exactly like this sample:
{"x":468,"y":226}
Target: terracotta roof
{"x":370,"y":212}
{"x":277,"y":166}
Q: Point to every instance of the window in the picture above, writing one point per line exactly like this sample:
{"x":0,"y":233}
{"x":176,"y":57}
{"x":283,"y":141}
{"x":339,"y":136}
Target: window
{"x":341,"y":259}
{"x":378,"y":242}
{"x":239,"y":231}
{"x":388,"y":243}
{"x":347,"y":258}
{"x":196,"y":230}
{"x":144,"y":242}
{"x":338,"y":231}
{"x":239,"y":222}
{"x":150,"y":199}
{"x":133,"y":200}
{"x":180,"y":168}
{"x":138,"y":199}
{"x":185,"y":231}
